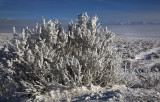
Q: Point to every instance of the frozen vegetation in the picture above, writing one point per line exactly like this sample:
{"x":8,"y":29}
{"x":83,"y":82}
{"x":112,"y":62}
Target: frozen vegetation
{"x":84,"y":63}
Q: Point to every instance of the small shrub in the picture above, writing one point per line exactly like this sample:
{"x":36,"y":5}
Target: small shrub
{"x":79,"y":57}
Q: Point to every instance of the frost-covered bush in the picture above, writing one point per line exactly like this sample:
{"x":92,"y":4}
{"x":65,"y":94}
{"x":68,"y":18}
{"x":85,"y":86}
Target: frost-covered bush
{"x":150,"y":79}
{"x":83,"y":55}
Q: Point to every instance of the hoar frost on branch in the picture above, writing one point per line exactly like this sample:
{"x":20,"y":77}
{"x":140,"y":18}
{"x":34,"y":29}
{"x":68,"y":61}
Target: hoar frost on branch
{"x":82,"y":56}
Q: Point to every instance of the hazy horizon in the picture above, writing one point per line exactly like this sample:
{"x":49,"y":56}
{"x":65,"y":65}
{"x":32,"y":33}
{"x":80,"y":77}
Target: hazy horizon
{"x":135,"y":29}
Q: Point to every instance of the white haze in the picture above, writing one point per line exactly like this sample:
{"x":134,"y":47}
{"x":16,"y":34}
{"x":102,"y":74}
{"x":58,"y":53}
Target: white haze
{"x":143,"y":30}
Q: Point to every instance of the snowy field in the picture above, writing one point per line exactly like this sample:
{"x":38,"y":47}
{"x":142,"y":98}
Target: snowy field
{"x":141,"y":62}
{"x":142,"y":31}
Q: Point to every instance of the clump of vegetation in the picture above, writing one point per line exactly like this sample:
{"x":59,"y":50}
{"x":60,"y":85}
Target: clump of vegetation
{"x":81,"y":56}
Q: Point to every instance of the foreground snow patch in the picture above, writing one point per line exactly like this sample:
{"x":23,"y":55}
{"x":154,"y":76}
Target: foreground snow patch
{"x":117,"y":93}
{"x":80,"y":94}
{"x":61,"y":93}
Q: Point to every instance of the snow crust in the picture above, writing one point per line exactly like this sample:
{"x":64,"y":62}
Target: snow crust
{"x":143,"y":55}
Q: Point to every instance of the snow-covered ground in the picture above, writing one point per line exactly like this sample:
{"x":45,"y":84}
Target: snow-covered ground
{"x":139,"y":53}
{"x":117,"y":93}
{"x":143,"y":55}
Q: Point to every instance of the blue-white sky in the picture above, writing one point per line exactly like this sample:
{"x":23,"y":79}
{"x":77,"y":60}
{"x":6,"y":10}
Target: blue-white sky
{"x":107,"y":10}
